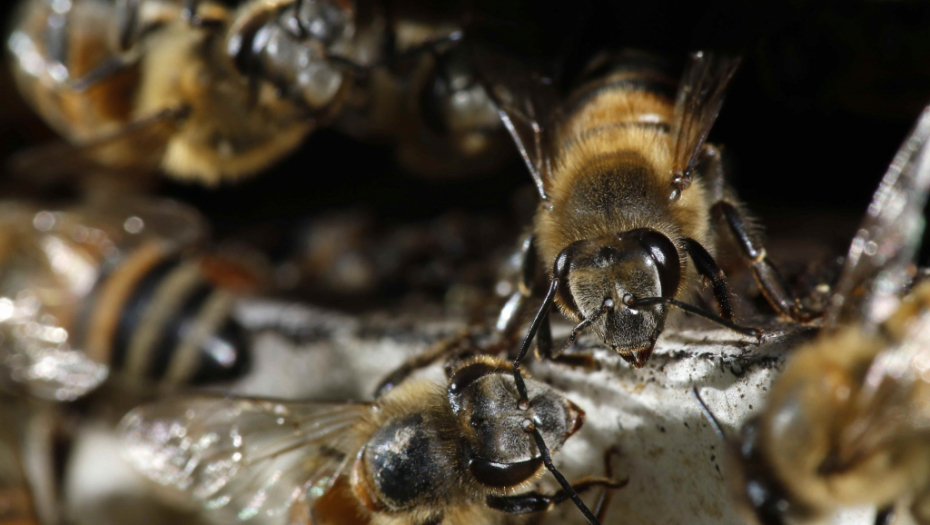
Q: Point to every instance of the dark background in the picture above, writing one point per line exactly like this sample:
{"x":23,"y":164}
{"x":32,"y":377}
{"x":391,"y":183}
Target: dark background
{"x":826,"y":93}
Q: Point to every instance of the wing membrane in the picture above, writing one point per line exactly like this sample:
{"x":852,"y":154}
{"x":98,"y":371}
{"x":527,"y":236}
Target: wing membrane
{"x":524,"y":98}
{"x":260,"y":461}
{"x":700,"y":96}
{"x":876,"y":269}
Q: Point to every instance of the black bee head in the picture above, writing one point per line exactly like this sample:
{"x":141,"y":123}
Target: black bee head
{"x":607,"y":275}
{"x":499,"y":451}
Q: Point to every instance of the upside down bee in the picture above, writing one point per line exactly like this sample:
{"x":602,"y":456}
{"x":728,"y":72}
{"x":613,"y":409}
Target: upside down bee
{"x":214,"y":91}
{"x":420,"y":453}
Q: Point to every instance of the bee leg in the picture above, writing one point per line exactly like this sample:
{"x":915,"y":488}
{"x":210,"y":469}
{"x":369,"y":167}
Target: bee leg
{"x":768,"y":278}
{"x":707,"y":267}
{"x":600,"y":508}
{"x":445,"y":349}
{"x":508,"y":321}
{"x":531,"y":502}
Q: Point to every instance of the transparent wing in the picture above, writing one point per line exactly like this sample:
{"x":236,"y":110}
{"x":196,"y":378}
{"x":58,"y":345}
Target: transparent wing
{"x":700,"y":95}
{"x":524,"y":97}
{"x":245,"y":460}
{"x":130,"y":220}
{"x":876,"y":268}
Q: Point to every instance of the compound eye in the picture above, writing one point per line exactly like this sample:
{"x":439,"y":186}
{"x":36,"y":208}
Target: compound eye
{"x":491,"y":474}
{"x":628,"y":299}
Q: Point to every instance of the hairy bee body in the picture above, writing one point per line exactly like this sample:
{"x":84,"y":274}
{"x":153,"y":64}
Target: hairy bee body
{"x":613,"y":167}
{"x":215,"y":91}
{"x":846,"y":422}
{"x":422,"y":453}
{"x":170,"y":93}
{"x":81,"y":284}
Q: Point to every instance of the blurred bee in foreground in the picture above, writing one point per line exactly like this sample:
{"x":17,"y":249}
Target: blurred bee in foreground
{"x":846,"y":422}
{"x":419,"y":454}
{"x":197,"y":89}
{"x":98,"y":289}
{"x":629,"y":191}
{"x":205,"y":91}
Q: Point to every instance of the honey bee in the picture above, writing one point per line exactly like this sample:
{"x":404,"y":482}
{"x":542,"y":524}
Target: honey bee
{"x":846,"y":421}
{"x":198,"y":89}
{"x":95,"y":291}
{"x":215,"y":91}
{"x":421,"y":453}
{"x":629,"y":191}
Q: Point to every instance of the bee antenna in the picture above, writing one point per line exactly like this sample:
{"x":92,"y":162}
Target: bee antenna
{"x":714,"y":422}
{"x":530,"y":427}
{"x":537,"y":321}
{"x":650,"y":301}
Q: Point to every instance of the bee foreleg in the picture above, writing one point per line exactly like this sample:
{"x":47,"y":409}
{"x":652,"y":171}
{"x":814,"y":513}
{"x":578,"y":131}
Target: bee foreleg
{"x":707,"y":267}
{"x":444,"y":349}
{"x":508,"y":321}
{"x":530,"y":502}
{"x":770,"y":281}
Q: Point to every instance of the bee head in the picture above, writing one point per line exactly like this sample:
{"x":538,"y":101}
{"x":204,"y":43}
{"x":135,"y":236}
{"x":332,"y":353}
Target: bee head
{"x":606,"y":275}
{"x":498,"y":450}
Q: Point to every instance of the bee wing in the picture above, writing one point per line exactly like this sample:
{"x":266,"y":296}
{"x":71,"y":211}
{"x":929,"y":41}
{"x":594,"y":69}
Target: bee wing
{"x":876,"y":268}
{"x":697,"y":103}
{"x":139,"y":144}
{"x":255,"y":460}
{"x":140,"y":218}
{"x":524,"y":97}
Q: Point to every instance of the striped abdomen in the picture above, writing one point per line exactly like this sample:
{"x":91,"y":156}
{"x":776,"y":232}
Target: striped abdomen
{"x":631,"y":94}
{"x":156,"y":318}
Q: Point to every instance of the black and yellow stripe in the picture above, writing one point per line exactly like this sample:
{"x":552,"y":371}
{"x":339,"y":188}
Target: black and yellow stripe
{"x":155,"y":318}
{"x":626,"y":92}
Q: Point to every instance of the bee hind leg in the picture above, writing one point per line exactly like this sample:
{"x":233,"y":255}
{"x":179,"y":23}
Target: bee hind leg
{"x":451,"y":349}
{"x":770,"y":281}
